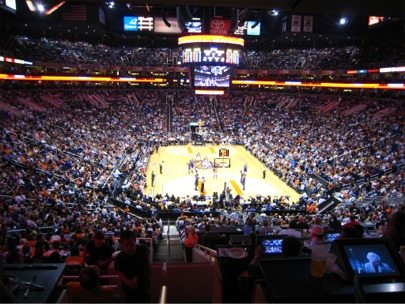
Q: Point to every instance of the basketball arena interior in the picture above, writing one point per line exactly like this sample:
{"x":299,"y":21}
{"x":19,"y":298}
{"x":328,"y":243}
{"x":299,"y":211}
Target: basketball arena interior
{"x":202,"y":151}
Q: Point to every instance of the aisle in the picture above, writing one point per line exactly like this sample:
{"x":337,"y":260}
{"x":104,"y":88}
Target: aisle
{"x":173,"y":254}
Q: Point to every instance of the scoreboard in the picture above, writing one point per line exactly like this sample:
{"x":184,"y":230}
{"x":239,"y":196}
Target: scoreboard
{"x":223,"y":152}
{"x":211,"y":54}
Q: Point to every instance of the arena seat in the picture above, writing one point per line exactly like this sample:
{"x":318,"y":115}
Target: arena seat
{"x":157,"y":279}
{"x":192,"y":282}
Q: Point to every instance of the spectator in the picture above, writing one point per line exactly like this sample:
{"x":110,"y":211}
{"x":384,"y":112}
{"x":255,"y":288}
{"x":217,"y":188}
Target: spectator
{"x":99,"y":252}
{"x":395,"y":230}
{"x":190,"y":240}
{"x":132,"y":266}
{"x":89,"y":290}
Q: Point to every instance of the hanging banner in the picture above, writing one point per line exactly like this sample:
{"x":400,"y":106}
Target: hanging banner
{"x":308,"y":24}
{"x":295,"y":23}
{"x":284,"y":25}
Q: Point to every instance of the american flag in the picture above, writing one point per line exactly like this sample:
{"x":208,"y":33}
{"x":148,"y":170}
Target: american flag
{"x":75,"y":12}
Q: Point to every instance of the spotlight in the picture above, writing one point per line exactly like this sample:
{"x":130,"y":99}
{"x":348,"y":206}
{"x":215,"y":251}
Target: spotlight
{"x":343,"y":21}
{"x":273,"y":12}
{"x":40,"y":7}
{"x":30,"y":5}
{"x":110,"y":4}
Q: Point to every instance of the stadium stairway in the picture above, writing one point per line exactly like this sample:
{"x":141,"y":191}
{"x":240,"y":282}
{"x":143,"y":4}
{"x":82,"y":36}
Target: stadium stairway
{"x":328,"y":205}
{"x":170,"y":248}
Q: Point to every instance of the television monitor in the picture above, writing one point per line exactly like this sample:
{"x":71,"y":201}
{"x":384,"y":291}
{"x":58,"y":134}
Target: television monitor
{"x":370,"y":258}
{"x":331,"y":236}
{"x":271,"y":244}
{"x":168,"y":25}
{"x":138,"y":24}
{"x":253,"y":28}
{"x":211,"y":55}
{"x":212,"y":76}
{"x":9,"y":5}
{"x":194,"y":26}
{"x":374,"y":20}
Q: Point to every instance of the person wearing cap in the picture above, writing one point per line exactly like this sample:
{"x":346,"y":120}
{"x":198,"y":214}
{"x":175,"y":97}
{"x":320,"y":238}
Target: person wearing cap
{"x":317,"y":236}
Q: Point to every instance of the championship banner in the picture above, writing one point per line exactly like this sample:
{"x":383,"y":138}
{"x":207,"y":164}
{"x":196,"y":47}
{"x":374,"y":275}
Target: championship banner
{"x":220,"y":26}
{"x":295,"y":23}
{"x":284,"y":25}
{"x":308,"y":26}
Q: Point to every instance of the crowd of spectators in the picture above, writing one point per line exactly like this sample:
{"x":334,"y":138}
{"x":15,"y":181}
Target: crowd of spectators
{"x":77,"y":166}
{"x":100,"y":55}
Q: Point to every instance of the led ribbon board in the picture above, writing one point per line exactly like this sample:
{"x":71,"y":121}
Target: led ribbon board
{"x":211,"y":39}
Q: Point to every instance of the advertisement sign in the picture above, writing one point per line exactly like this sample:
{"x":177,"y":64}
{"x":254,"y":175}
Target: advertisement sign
{"x":194,"y":26}
{"x":220,"y":26}
{"x":162,"y":27}
{"x":253,"y":28}
{"x":135,"y":23}
{"x":130,"y":23}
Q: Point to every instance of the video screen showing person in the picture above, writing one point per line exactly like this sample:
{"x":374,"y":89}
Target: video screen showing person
{"x":212,"y":76}
{"x":371,"y":260}
{"x":272,"y":246}
{"x":331,"y":236}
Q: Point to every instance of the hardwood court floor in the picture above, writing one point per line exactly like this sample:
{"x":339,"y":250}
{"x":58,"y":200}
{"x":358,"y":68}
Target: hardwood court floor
{"x":176,"y":180}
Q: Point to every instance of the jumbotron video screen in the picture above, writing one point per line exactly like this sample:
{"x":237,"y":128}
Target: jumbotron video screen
{"x":212,"y":76}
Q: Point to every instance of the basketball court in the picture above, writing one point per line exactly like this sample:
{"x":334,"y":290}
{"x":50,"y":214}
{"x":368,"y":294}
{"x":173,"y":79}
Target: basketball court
{"x":176,"y":179}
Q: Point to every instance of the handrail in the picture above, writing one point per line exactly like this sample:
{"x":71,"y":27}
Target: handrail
{"x":212,"y":253}
{"x":163,"y":295}
{"x":168,"y":240}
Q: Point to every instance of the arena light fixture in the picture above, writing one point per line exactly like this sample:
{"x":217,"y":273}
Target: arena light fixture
{"x":343,"y":21}
{"x":54,"y":8}
{"x":40,"y":7}
{"x":30,"y":5}
{"x":339,"y":85}
{"x":274,"y":12}
{"x":110,"y":4}
{"x":14,"y":60}
{"x":209,"y":92}
{"x":80,"y":78}
{"x":210,"y":39}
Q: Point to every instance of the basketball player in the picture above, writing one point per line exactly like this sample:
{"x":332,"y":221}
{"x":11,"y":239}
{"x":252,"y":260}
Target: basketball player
{"x":215,"y":172}
{"x":153,"y":179}
{"x":196,"y":181}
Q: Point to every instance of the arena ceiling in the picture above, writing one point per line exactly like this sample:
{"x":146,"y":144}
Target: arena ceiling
{"x":394,"y":8}
{"x":326,"y":14}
